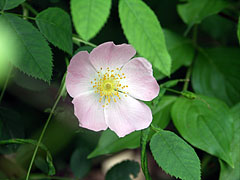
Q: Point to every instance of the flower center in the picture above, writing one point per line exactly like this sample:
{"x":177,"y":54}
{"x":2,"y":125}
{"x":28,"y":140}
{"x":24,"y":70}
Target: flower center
{"x":108,"y":85}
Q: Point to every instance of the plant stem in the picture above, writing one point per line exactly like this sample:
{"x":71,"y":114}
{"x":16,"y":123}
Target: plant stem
{"x":30,"y":8}
{"x":77,"y":39}
{"x":44,"y":129}
{"x":5,"y":84}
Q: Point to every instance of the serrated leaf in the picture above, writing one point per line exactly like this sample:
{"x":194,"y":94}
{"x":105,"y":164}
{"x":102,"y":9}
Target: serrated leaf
{"x":9,"y":4}
{"x":55,"y":25}
{"x":194,"y":11}
{"x":228,"y":173}
{"x":89,"y":16}
{"x":33,"y":55}
{"x":175,"y":156}
{"x":206,"y":123}
{"x":216,"y":74}
{"x":180,"y":49}
{"x":144,"y":32}
{"x":79,"y":163}
{"x":123,"y":171}
{"x":109,"y":142}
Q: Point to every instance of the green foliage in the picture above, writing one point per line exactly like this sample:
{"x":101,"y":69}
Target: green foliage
{"x":175,"y":156}
{"x":216,"y":74}
{"x":123,"y":171}
{"x":109,"y":142}
{"x":55,"y":25}
{"x":206,"y":123}
{"x":227,"y":172}
{"x":79,"y":163}
{"x":9,"y":4}
{"x":180,"y":49}
{"x":238,"y":31}
{"x":89,"y":16}
{"x":194,"y":11}
{"x":33,"y":55}
{"x":143,"y":31}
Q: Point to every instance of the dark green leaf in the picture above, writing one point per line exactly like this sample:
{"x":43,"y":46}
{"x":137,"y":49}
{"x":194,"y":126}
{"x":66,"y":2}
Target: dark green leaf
{"x":228,"y":173}
{"x":11,"y":126}
{"x":143,"y":31}
{"x":206,"y":123}
{"x":123,"y":171}
{"x":110,"y":143}
{"x":55,"y":25}
{"x":79,"y":163}
{"x":238,"y":31}
{"x":216,"y":74}
{"x":194,"y":11}
{"x":9,"y":4}
{"x":175,"y":156}
{"x":89,"y":16}
{"x":180,"y":50}
{"x":33,"y":55}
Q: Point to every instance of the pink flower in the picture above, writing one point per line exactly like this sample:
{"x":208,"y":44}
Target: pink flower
{"x":105,"y":86}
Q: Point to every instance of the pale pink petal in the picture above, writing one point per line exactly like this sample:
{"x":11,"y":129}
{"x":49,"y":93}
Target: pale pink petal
{"x":80,"y":73}
{"x":139,"y":79}
{"x":89,"y":111}
{"x":127,"y":115}
{"x":110,"y":55}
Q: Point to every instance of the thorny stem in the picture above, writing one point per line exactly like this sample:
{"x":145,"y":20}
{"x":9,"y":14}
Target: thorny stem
{"x":5,"y":84}
{"x":44,"y":129}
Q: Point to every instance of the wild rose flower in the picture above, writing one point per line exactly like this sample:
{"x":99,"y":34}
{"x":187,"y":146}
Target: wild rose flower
{"x":105,"y":86}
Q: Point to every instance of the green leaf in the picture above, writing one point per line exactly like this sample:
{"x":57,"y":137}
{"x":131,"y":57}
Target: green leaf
{"x":9,"y":4}
{"x":238,"y":31}
{"x":175,"y":156}
{"x":89,"y":16}
{"x":109,"y":142}
{"x":228,"y":173}
{"x":144,"y":32}
{"x":10,"y":127}
{"x":79,"y":163}
{"x":123,"y":171}
{"x":206,"y":123}
{"x":216,"y":74}
{"x":33,"y":55}
{"x":194,"y":11}
{"x":180,"y":49}
{"x":55,"y":25}
{"x":161,"y":112}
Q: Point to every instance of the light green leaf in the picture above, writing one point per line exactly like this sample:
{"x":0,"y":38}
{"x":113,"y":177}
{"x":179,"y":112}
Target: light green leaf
{"x":33,"y":55}
{"x":9,"y":4}
{"x":194,"y":11}
{"x":109,"y":142}
{"x":175,"y":156}
{"x":206,"y":123}
{"x":79,"y":163}
{"x":55,"y":25}
{"x":216,"y":74}
{"x":180,"y":49}
{"x":123,"y":171}
{"x":238,"y":31}
{"x":228,"y":173}
{"x":89,"y":16}
{"x":144,"y":32}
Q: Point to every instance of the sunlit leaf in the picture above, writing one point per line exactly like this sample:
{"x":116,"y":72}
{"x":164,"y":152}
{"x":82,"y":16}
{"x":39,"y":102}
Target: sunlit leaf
{"x":175,"y":156}
{"x":56,"y":26}
{"x":206,"y":123}
{"x":144,"y":32}
{"x":89,"y":16}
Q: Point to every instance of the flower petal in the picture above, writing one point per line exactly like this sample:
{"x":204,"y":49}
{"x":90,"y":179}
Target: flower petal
{"x":89,"y":111}
{"x":127,"y":115}
{"x":80,"y":72}
{"x":110,"y":55}
{"x":139,"y":79}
